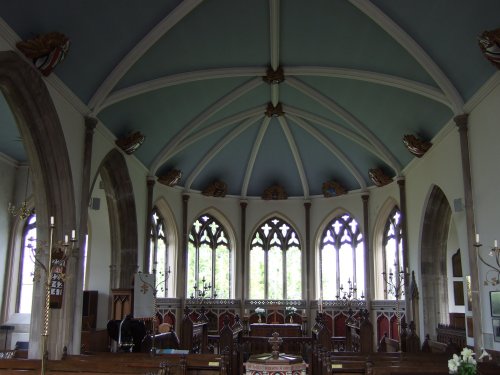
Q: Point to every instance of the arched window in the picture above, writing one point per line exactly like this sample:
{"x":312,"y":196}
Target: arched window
{"x":392,"y":254}
{"x":342,"y":263}
{"x":26,"y":266}
{"x":209,"y":260}
{"x":275,"y":262}
{"x":158,"y":253}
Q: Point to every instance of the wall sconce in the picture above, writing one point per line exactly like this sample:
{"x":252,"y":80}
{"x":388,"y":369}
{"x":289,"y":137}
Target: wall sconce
{"x":493,"y":274}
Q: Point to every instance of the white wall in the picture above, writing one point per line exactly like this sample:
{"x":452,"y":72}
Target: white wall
{"x":485,"y":157}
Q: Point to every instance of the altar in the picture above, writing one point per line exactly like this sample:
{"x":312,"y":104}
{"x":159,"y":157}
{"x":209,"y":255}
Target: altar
{"x":284,"y":330}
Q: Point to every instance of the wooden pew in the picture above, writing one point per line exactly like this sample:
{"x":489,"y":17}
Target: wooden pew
{"x":122,"y":364}
{"x":194,"y":336}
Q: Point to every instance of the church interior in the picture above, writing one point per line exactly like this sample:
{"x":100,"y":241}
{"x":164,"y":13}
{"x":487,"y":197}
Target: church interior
{"x":195,"y":186}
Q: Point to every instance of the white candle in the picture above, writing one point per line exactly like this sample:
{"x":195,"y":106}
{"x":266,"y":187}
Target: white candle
{"x":52,"y":220}
{"x":65,"y":238}
{"x":477,"y":237}
{"x":496,"y":244}
{"x":73,"y":234}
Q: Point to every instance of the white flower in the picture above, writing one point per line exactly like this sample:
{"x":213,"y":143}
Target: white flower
{"x":452,"y":366}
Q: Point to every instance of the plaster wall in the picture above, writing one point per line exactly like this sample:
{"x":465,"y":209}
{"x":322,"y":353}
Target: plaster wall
{"x":485,"y":157}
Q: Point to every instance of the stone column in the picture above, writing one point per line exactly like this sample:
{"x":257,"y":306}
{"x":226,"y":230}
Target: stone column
{"x":367,"y":253}
{"x":308,"y":267}
{"x":182,"y":269}
{"x":149,"y":208}
{"x":75,"y":316}
{"x":404,"y":240}
{"x":243,"y":252}
{"x":461,"y":122}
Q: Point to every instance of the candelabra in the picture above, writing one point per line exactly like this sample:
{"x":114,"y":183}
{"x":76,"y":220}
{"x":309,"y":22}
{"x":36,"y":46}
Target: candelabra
{"x":155,"y":286}
{"x":22,"y":211}
{"x":55,"y":275}
{"x":349,"y":297}
{"x":493,"y":273}
{"x":206,"y":291}
{"x":394,"y":285}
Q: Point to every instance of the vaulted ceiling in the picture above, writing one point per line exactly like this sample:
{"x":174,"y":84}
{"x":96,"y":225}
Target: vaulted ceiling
{"x":189,"y":75}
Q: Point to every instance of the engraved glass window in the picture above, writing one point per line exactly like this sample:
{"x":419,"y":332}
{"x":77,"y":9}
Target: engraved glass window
{"x":275,"y":262}
{"x":392,"y":255}
{"x":27,"y":266}
{"x":209,"y":260}
{"x":158,"y":253}
{"x":341,"y":260}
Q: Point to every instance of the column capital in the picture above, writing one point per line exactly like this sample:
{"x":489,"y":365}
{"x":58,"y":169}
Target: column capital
{"x":461,"y":121}
{"x":151,"y":181}
{"x":243,"y":204}
{"x":307,"y":204}
{"x":90,"y":123}
{"x":401,"y":181}
{"x":365,"y":197}
{"x":185,"y":197}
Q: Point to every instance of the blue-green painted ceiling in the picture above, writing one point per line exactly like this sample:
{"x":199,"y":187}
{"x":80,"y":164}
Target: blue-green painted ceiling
{"x":199,"y":81}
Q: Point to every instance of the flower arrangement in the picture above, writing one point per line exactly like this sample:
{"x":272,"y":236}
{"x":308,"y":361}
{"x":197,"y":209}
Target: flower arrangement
{"x":290,"y":310}
{"x":463,"y":365}
{"x":260,"y":311}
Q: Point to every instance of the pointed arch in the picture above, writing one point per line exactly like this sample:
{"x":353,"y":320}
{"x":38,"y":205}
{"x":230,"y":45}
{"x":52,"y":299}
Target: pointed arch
{"x":172,"y":237}
{"x":378,"y":238}
{"x":211,"y":256}
{"x":339,"y":244}
{"x":435,"y":230}
{"x":275,"y":242}
{"x":43,"y":138}
{"x":122,"y":216}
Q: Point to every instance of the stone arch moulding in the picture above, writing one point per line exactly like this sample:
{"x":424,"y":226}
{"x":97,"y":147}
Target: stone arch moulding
{"x":122,"y":217}
{"x":43,"y":138}
{"x":435,"y":229}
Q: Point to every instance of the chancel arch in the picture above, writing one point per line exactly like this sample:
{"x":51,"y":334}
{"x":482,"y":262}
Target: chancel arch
{"x":434,"y":243}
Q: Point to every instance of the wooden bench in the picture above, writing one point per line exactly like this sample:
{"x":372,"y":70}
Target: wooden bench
{"x":121,"y":364}
{"x":194,"y":335}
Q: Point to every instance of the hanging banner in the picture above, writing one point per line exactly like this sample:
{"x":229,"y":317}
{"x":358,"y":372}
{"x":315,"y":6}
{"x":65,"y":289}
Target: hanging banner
{"x":144,"y":295}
